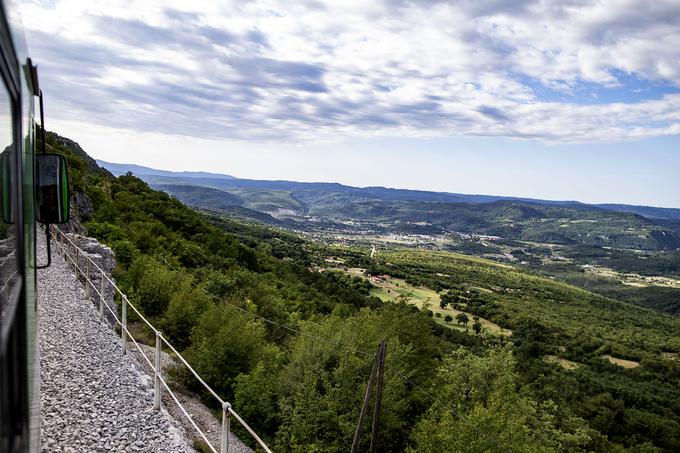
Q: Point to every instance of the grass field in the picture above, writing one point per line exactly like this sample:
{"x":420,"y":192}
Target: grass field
{"x":389,"y":289}
{"x":621,"y":362}
{"x":564,"y":363}
{"x":633,"y":279}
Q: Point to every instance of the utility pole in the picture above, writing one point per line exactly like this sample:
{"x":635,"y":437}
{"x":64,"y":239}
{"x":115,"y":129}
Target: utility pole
{"x":376,"y":378}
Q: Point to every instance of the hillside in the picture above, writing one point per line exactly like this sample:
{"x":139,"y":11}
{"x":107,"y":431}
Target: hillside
{"x":395,"y":210}
{"x":287,"y":335}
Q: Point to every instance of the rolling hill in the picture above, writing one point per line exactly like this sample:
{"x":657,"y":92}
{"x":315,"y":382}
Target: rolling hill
{"x":379,"y":209}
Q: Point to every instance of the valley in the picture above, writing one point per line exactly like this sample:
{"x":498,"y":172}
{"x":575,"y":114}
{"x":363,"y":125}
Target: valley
{"x":318,"y":227}
{"x":280,"y":313}
{"x":612,"y":250}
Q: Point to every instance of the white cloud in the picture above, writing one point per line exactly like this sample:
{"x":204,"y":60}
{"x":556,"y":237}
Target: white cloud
{"x":314,"y":71}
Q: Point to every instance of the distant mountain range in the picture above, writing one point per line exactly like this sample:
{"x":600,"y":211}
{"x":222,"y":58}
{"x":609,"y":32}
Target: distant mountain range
{"x":333,"y":206}
{"x":138,"y":170}
{"x":388,"y":194}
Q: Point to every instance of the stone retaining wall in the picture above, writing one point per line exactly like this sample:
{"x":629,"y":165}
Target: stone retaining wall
{"x":103,"y":256}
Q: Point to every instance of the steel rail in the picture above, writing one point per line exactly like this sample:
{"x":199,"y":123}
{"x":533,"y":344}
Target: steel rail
{"x":139,"y":348}
{"x":101,"y":271}
{"x":140,"y":315}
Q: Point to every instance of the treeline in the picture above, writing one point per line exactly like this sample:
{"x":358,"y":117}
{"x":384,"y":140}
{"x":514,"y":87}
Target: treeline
{"x":549,"y":319}
{"x":292,"y":348}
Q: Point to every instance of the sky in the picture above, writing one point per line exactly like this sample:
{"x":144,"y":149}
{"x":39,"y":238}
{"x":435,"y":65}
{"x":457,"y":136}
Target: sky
{"x":569,"y":100}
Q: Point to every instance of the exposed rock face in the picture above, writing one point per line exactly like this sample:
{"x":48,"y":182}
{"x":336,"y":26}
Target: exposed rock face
{"x":77,"y":150}
{"x":82,"y":206}
{"x":81,"y":209}
{"x":104,"y":259}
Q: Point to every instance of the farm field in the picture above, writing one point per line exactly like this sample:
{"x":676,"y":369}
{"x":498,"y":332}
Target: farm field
{"x":390,"y":289}
{"x":633,"y":279}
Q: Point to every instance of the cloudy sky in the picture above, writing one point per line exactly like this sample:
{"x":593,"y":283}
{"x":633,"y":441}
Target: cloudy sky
{"x":552,"y":99}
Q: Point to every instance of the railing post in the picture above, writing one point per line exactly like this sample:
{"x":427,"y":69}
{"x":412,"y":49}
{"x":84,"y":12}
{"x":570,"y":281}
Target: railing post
{"x":123,"y":327}
{"x":101,"y":297}
{"x":226,"y":422}
{"x":76,"y":264}
{"x":87,"y":281}
{"x":157,"y":373}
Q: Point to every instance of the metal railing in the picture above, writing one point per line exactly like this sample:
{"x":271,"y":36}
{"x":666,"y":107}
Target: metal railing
{"x":65,"y":244}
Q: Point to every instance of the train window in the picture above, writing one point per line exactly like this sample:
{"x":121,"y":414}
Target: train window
{"x":8,"y":258}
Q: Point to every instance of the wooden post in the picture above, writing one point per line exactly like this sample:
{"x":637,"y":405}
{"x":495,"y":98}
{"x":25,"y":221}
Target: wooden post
{"x":382,"y":353}
{"x":364,"y":406}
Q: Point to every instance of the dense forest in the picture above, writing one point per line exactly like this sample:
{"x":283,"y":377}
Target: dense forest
{"x":292,"y":348}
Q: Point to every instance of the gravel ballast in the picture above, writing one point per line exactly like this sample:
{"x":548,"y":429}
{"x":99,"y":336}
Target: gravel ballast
{"x":92,"y":396}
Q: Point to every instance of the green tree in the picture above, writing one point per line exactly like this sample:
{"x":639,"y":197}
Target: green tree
{"x":183,"y":313}
{"x":479,"y":408}
{"x":152,"y":284}
{"x":477,"y":327}
{"x":224,"y":344}
{"x":448,"y":318}
{"x":322,"y":387}
{"x":462,"y":318}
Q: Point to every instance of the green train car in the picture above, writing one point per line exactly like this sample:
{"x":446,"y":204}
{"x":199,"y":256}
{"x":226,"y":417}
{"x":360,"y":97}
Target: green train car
{"x":31,"y":190}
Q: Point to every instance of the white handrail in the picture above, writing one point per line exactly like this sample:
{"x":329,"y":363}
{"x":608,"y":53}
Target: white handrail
{"x":193,"y":371}
{"x":186,"y":414}
{"x":114,"y":314}
{"x":226,"y":407}
{"x":252,"y":433}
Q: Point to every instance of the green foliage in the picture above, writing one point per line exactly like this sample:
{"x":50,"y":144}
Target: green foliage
{"x":225,"y":344}
{"x":125,"y":251}
{"x":484,"y":411}
{"x":321,"y":388}
{"x":152,"y":285}
{"x":184,"y":311}
{"x":477,"y":327}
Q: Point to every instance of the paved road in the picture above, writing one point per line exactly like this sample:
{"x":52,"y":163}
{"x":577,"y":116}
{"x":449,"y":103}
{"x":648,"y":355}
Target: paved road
{"x":93,"y":398}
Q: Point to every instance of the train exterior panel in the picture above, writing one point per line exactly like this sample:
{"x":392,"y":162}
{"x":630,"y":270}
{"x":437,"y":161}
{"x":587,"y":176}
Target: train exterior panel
{"x":19,"y":356}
